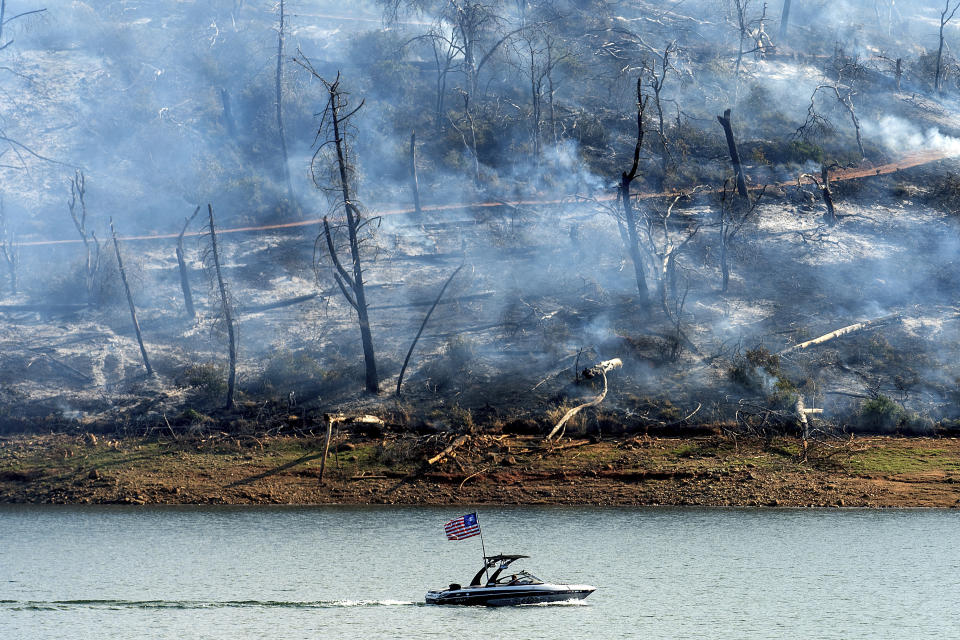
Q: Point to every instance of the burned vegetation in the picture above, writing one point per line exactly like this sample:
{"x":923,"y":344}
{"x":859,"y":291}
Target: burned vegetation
{"x":443,"y":222}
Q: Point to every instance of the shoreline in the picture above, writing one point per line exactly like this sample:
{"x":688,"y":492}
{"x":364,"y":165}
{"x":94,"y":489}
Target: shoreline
{"x":708,"y":471}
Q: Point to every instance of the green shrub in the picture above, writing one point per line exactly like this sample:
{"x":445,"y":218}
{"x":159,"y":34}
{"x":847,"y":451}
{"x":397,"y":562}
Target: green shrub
{"x":208,"y":377}
{"x":880,"y":414}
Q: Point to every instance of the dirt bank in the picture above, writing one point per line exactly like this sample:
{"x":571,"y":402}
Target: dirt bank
{"x":709,"y":470}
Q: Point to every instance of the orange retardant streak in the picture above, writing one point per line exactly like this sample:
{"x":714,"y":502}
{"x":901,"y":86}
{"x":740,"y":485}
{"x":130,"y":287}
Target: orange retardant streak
{"x":909,"y":160}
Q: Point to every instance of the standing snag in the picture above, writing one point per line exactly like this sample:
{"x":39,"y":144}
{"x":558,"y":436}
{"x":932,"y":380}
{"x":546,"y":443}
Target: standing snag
{"x":734,"y":153}
{"x":133,"y":309}
{"x":182,"y":265}
{"x":334,"y":135}
{"x":226,"y":310}
{"x":91,"y":246}
{"x":629,"y":216}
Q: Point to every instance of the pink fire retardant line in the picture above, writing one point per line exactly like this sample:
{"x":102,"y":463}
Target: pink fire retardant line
{"x":907,"y":161}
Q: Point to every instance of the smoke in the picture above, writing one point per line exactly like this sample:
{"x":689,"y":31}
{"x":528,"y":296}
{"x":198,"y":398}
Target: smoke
{"x":165,"y":110}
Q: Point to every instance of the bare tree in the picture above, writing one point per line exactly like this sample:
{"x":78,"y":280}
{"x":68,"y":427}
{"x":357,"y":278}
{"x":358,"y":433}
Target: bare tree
{"x":667,"y":241}
{"x":784,"y":20}
{"x":734,"y":213}
{"x":78,"y":212}
{"x":844,"y":90}
{"x":133,"y":308}
{"x":751,"y":31}
{"x":8,"y":248}
{"x":334,"y":136}
{"x":823,"y":184}
{"x":279,"y":87}
{"x":629,"y":216}
{"x":945,"y":17}
{"x":414,"y":179}
{"x":476,"y":31}
{"x":184,"y":274}
{"x":657,"y":70}
{"x":467,"y":122}
{"x":539,"y":54}
{"x":20,"y":149}
{"x":724,"y":121}
{"x":445,"y":47}
{"x":226,"y":309}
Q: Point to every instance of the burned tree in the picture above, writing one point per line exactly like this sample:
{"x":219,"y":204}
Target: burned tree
{"x":734,"y":213}
{"x":784,"y":20}
{"x":414,"y":179}
{"x":285,"y":168}
{"x":629,"y":215}
{"x":657,"y":70}
{"x":469,"y":145}
{"x":184,"y":275}
{"x":226,"y":310}
{"x":945,"y":17}
{"x":749,"y":30}
{"x":843,"y":90}
{"x":91,"y":246}
{"x":334,"y":136}
{"x":667,"y":241}
{"x":823,"y":184}
{"x":734,"y":153}
{"x":133,"y":308}
{"x":8,"y":249}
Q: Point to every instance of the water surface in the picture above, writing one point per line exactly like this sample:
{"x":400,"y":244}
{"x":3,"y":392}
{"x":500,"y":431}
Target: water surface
{"x":324,"y":572}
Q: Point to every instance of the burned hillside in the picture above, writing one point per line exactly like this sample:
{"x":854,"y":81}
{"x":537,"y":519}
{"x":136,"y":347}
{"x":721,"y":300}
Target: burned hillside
{"x":753,"y":207}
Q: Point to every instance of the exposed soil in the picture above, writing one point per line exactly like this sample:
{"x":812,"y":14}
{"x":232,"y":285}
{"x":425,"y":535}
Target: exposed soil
{"x":708,"y":470}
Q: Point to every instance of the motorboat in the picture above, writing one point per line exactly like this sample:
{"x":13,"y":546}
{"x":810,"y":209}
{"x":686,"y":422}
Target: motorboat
{"x":505,"y":589}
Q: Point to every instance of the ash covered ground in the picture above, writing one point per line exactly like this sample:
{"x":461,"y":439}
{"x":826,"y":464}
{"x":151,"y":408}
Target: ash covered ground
{"x":158,"y":112}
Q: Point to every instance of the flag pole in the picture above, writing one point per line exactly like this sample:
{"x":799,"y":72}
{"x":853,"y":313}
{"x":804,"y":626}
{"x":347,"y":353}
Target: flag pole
{"x":486,"y":570}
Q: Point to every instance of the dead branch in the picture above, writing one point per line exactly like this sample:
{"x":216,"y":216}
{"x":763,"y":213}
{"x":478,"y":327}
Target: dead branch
{"x":840,"y":332}
{"x":457,"y":442}
{"x":423,"y":325}
{"x":133,"y":309}
{"x":600,"y":369}
{"x":289,"y":302}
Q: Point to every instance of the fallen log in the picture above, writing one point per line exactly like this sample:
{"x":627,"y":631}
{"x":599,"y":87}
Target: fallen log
{"x":45,"y":308}
{"x":840,"y":332}
{"x":426,"y":318}
{"x":458,"y":441}
{"x":600,"y":369}
{"x":281,"y":303}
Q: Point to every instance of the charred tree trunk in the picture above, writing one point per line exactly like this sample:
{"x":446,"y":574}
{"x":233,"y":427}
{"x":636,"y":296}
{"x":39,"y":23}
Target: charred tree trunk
{"x":184,"y":277}
{"x":423,"y":325}
{"x":724,"y":267}
{"x":784,"y":20}
{"x":227,"y":313}
{"x":133,"y":309}
{"x":8,"y":249}
{"x":414,"y":180}
{"x":630,"y":218}
{"x":10,"y":257}
{"x":828,"y":196}
{"x":350,"y":282}
{"x":279,"y":88}
{"x":734,"y":154}
{"x":359,"y":300}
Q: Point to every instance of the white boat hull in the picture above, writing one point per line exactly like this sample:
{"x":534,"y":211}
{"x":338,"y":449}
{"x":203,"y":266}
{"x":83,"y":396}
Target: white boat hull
{"x":507,"y":595}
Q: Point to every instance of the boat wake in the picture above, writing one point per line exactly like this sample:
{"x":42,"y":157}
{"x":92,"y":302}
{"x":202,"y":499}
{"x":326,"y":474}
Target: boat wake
{"x":70,"y":605}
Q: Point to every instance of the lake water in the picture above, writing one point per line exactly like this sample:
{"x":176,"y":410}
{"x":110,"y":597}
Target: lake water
{"x":361,"y":572}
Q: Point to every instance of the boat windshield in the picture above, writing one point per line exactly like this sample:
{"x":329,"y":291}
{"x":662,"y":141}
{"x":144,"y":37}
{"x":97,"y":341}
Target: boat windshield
{"x":524,"y":577}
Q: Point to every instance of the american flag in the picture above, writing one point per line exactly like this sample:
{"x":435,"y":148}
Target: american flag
{"x":463,"y":527}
